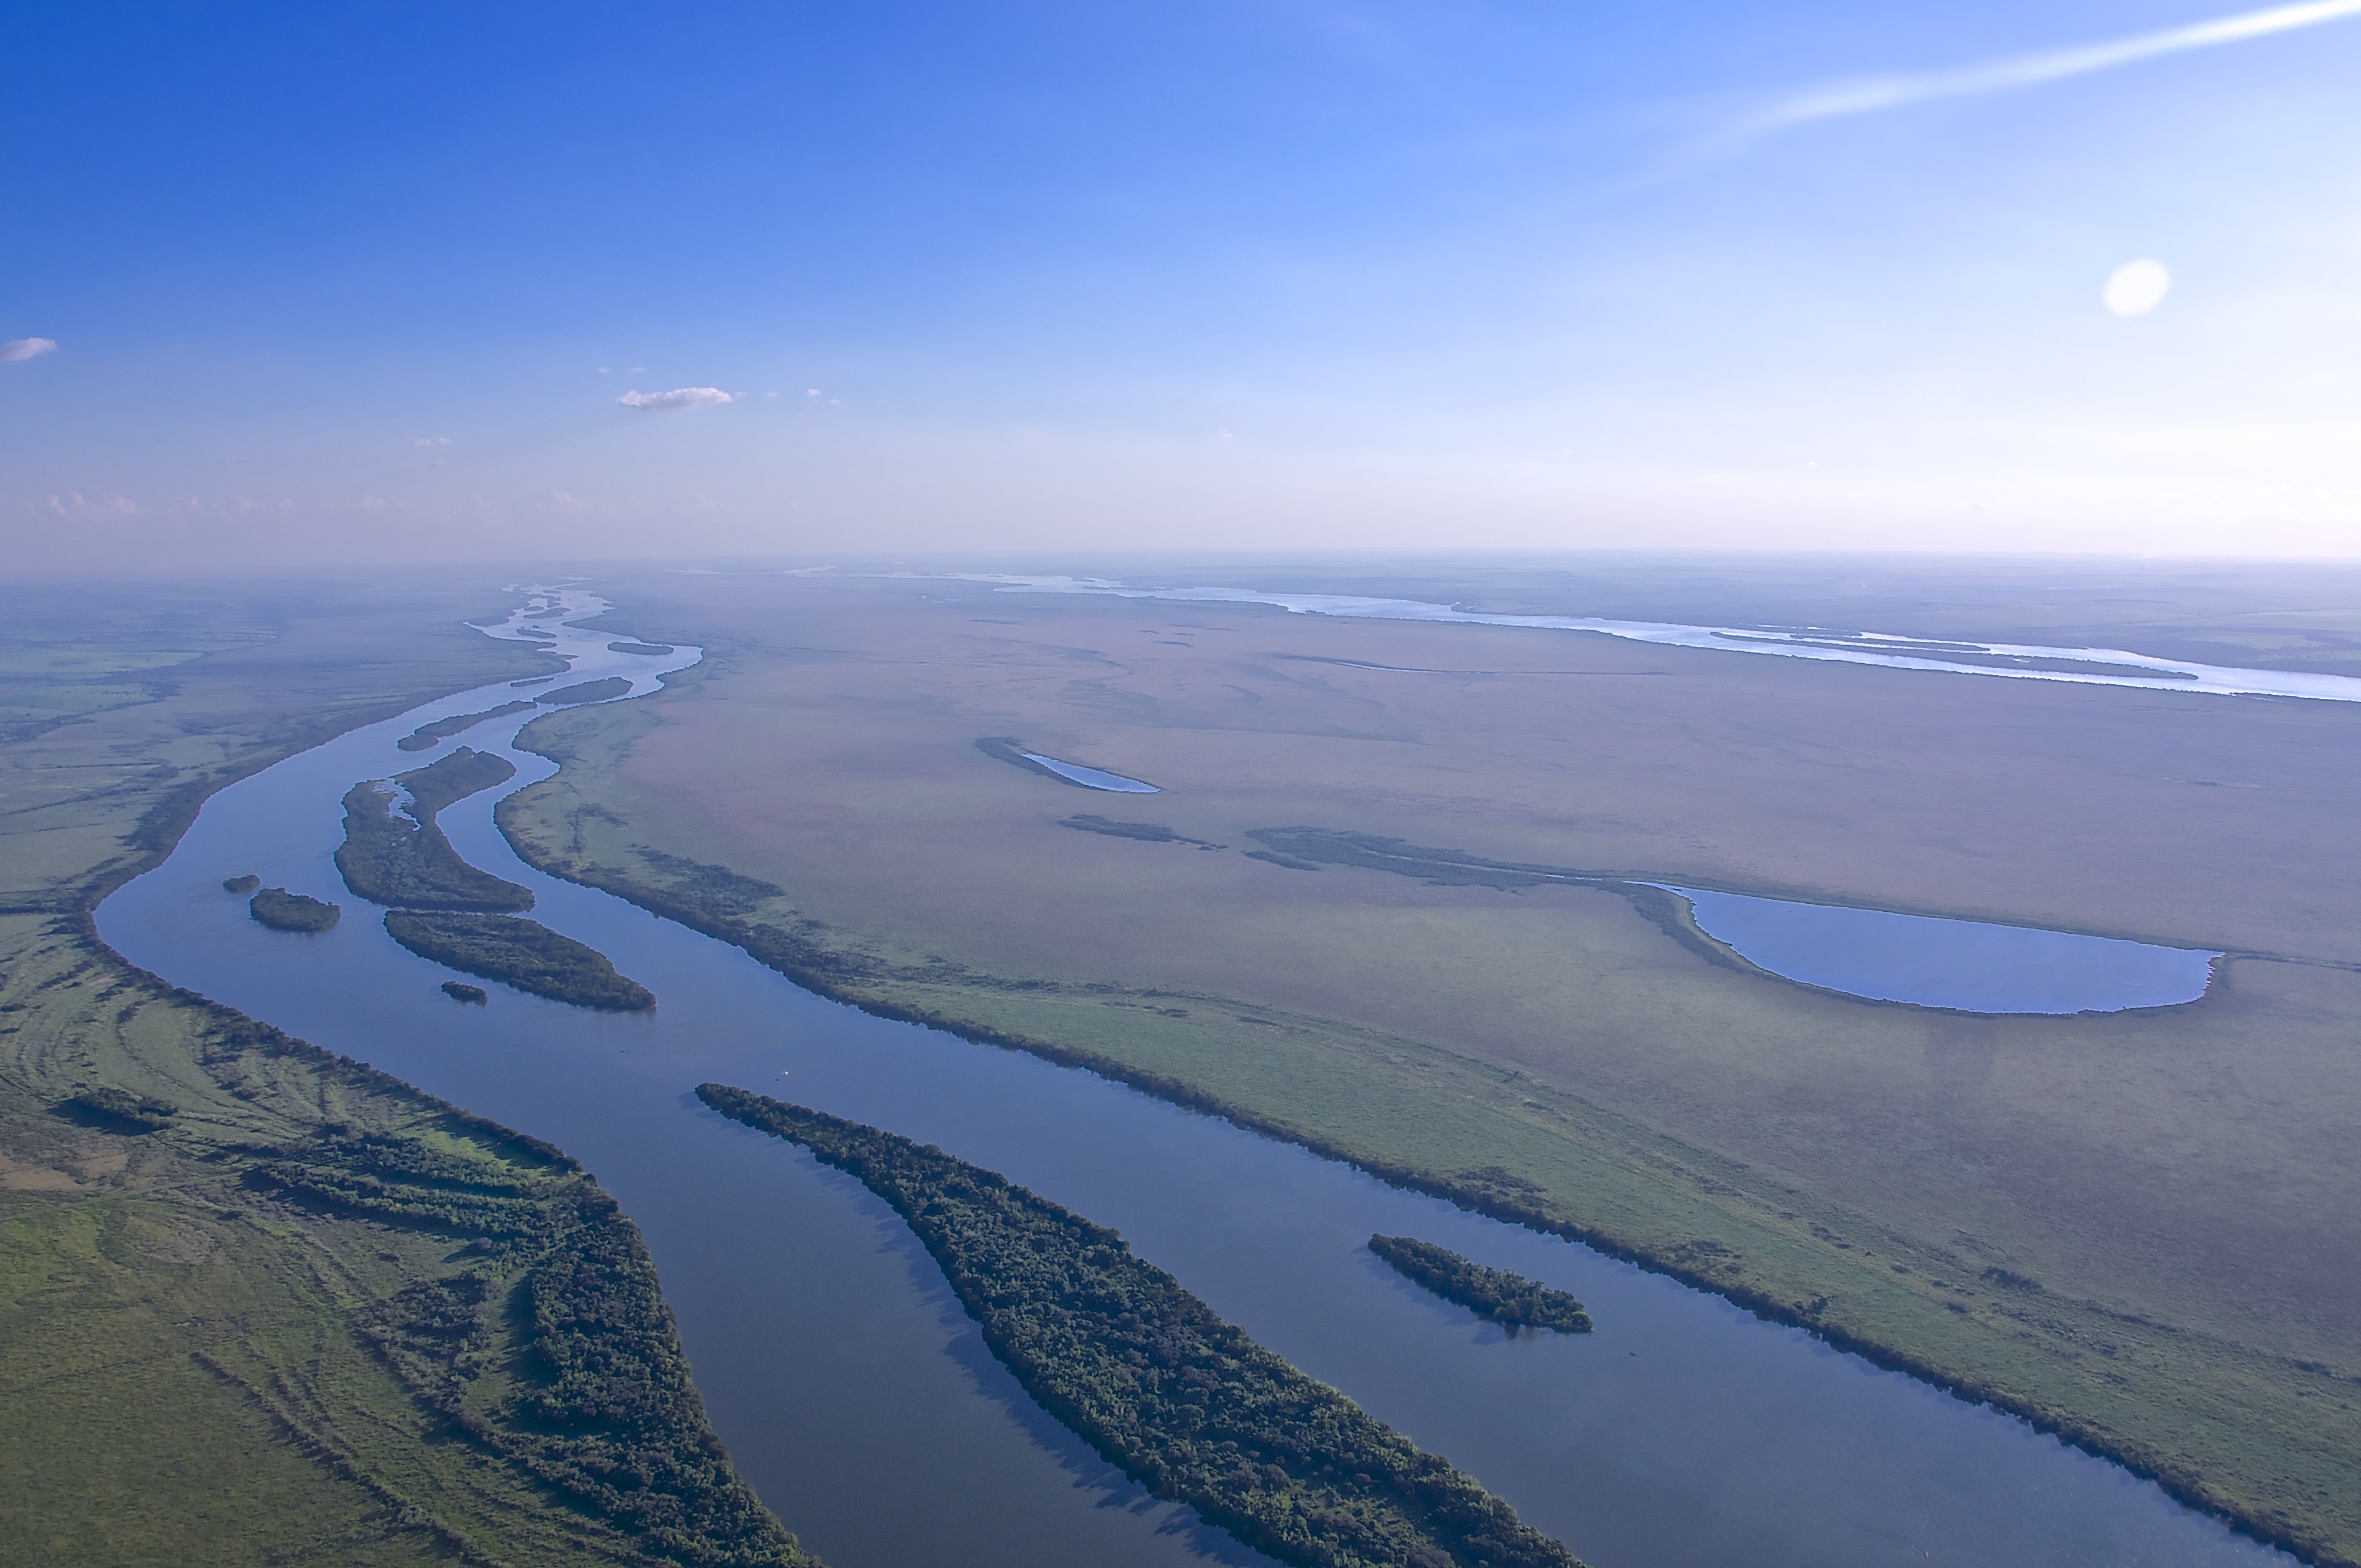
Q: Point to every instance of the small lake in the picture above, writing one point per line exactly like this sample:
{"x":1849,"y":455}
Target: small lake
{"x":1091,"y":778}
{"x":1968,"y":965}
{"x":858,"y":1397}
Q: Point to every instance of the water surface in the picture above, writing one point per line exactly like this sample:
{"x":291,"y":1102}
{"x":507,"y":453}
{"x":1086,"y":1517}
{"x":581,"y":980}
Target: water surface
{"x":2008,"y":660}
{"x":856,"y":1395}
{"x":1970,"y":965}
{"x":1091,"y":778}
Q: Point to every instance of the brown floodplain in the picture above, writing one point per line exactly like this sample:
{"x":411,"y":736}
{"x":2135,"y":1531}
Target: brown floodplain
{"x":2181,"y":1166}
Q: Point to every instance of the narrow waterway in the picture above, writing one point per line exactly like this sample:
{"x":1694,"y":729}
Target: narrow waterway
{"x":856,"y":1395}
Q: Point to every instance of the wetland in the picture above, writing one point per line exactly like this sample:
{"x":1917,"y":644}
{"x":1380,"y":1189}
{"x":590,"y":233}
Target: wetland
{"x":1617,"y":1084}
{"x":938,"y":1100}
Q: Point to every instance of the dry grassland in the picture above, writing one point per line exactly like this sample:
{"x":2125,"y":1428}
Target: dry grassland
{"x":2138,"y":1227}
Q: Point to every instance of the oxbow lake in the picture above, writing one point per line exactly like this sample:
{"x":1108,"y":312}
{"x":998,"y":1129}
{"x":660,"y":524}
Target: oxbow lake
{"x":1968,"y":965}
{"x":1091,"y":778}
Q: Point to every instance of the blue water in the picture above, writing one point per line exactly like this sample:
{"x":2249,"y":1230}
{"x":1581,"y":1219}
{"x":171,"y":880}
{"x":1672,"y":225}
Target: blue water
{"x":1963,"y":964}
{"x":1092,"y":778}
{"x":858,"y":1397}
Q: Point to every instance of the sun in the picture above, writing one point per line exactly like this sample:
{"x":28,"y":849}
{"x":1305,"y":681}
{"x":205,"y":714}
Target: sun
{"x":2135,"y":287}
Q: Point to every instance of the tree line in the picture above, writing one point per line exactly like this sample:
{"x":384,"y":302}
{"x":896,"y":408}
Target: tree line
{"x":1155,"y":1381}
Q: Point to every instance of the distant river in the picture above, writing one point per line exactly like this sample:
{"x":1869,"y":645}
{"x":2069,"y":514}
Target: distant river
{"x":856,"y":1395}
{"x":2012,"y":661}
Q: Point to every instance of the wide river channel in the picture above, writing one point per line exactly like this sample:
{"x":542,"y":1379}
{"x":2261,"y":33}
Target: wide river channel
{"x":857,"y":1397}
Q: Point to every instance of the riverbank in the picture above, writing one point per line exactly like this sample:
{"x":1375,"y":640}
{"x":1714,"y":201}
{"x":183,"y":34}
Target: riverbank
{"x":1148,"y":1373}
{"x":1921,"y":1193}
{"x":202,"y":1373}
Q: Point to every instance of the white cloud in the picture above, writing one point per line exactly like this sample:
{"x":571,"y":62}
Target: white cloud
{"x":432,"y":440}
{"x":1873,"y":94}
{"x":678,"y":398}
{"x":26,"y":348}
{"x":77,"y":508}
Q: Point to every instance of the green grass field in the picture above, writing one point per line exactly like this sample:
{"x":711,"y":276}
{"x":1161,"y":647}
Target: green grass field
{"x":187,"y":1374}
{"x":2135,"y":1229}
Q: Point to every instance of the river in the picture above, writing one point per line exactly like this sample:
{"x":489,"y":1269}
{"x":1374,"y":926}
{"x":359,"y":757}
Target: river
{"x":857,"y":1398}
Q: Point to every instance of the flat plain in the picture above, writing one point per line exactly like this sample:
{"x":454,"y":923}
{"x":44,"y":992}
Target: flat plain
{"x":203,"y":1360}
{"x":2136,"y":1228}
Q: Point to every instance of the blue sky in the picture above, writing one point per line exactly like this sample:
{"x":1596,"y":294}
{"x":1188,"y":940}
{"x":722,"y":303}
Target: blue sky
{"x":339,"y":282}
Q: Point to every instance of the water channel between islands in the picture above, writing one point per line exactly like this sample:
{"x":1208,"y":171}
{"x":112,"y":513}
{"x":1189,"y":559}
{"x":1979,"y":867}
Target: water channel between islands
{"x":859,"y":1400}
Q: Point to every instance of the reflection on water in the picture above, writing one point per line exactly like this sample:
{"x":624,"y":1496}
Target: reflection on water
{"x":856,"y":1395}
{"x":1092,"y":778}
{"x":1963,"y":964}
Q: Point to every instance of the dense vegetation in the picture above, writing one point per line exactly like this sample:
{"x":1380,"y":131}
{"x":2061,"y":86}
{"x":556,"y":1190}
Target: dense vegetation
{"x":1289,"y":845}
{"x":1148,"y":1373}
{"x":405,"y":860}
{"x":453,"y":778}
{"x":245,"y":883}
{"x":460,"y":990}
{"x":552,"y":1349}
{"x":121,"y":1108}
{"x":523,"y":953}
{"x":1149,"y":833}
{"x":434,"y":733}
{"x":1493,"y":1293}
{"x":284,"y":911}
{"x":586,"y":691}
{"x":184,"y":1374}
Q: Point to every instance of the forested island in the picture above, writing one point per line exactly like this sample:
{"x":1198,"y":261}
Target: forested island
{"x":523,"y":953}
{"x":453,"y":778}
{"x":1150,"y":1377}
{"x":1492,"y":1293}
{"x":245,"y":883}
{"x":586,"y":691}
{"x":434,"y":733}
{"x":284,"y":911}
{"x":460,"y":990}
{"x":404,"y":861}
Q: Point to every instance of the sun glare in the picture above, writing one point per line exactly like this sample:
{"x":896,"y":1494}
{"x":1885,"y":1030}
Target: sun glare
{"x":2135,"y":287}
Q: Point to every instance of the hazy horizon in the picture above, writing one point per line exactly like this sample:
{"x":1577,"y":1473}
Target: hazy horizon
{"x":600,"y":283}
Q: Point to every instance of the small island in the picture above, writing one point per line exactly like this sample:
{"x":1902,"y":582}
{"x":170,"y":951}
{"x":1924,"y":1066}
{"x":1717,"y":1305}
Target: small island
{"x":652,"y":649}
{"x":428,"y":736}
{"x":1150,"y":1375}
{"x":460,"y":990}
{"x":586,"y":691}
{"x":523,"y":953}
{"x":284,"y":911}
{"x":245,"y":883}
{"x":403,"y":859}
{"x":1496,"y":1294}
